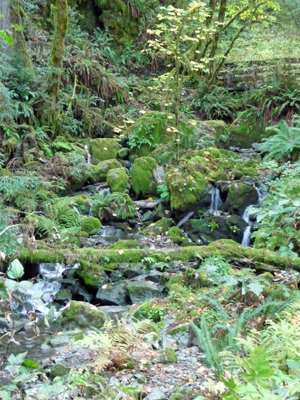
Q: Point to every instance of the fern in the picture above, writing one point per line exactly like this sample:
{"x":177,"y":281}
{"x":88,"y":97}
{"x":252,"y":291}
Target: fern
{"x":116,"y":342}
{"x":207,"y":344}
{"x":284,"y":145}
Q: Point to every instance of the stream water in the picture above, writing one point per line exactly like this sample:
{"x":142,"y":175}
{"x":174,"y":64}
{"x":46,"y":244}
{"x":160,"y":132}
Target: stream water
{"x":216,"y":201}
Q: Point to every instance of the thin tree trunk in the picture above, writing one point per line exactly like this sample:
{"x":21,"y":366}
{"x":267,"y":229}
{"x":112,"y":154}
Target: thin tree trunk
{"x":60,"y":11}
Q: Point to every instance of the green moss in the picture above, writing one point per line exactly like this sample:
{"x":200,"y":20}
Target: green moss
{"x":117,"y":180}
{"x":221,"y":131}
{"x":99,"y":172}
{"x":177,"y":279}
{"x":240,"y":196}
{"x":103,"y":149}
{"x":82,"y":315}
{"x":59,"y":370}
{"x":148,"y":132}
{"x":158,"y":228}
{"x":177,"y":236}
{"x":5,"y":172}
{"x":186,"y":184}
{"x":244,"y":131}
{"x":141,"y":174}
{"x":124,"y":244}
{"x":168,"y":356}
{"x":90,"y":225}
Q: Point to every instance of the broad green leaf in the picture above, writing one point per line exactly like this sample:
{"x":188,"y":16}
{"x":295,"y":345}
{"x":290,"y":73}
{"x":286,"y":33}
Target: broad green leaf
{"x":11,"y":285}
{"x":293,"y":364}
{"x":5,"y":395}
{"x":16,"y":270}
{"x":256,"y":288}
{"x":18,"y":359}
{"x":25,"y":285}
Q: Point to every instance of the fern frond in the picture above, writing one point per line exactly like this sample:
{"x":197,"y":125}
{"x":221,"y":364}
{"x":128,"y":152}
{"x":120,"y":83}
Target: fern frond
{"x":206,"y":342}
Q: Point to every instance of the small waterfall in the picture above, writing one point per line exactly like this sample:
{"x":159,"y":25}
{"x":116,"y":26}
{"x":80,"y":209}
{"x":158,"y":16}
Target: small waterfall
{"x":76,"y":209}
{"x":41,"y":294}
{"x":247,"y":231}
{"x":215,"y":200}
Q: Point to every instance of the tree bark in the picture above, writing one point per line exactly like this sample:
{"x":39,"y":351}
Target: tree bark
{"x":60,"y":13}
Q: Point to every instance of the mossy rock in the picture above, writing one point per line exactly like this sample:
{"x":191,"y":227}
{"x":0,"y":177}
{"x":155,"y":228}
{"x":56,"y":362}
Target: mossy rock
{"x":102,"y":149}
{"x":90,"y":225}
{"x":59,"y":370}
{"x":141,"y":174}
{"x":209,"y":229}
{"x":117,"y":180}
{"x":244,"y":131}
{"x":148,"y":132}
{"x":187,"y":185}
{"x":239,"y":197}
{"x":124,"y":244}
{"x":98,"y":173}
{"x":158,"y":228}
{"x":177,"y":236}
{"x":168,"y":356}
{"x":82,"y":315}
{"x":221,"y":131}
{"x":82,"y":202}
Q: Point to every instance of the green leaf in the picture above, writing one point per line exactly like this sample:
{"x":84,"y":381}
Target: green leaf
{"x":293,"y":364}
{"x":229,"y":384}
{"x":11,"y":285}
{"x":17,"y":360}
{"x":5,"y":395}
{"x":256,"y":288}
{"x":30,"y":364}
{"x":16,"y":270}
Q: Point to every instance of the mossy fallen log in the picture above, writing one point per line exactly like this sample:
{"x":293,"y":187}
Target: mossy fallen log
{"x":94,"y":262}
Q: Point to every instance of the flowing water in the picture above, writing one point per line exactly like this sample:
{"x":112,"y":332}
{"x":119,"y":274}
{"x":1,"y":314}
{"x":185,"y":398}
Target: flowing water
{"x":247,"y":231}
{"x":216,"y":201}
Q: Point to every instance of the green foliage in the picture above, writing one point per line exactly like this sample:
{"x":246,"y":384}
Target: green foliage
{"x":272,"y":361}
{"x":284,"y":144}
{"x":113,"y":205}
{"x":216,"y":103}
{"x":205,"y":340}
{"x":115,"y":345}
{"x":277,"y":218}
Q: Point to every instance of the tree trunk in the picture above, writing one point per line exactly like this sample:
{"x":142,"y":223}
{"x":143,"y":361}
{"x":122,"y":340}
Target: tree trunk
{"x":60,"y":13}
{"x":19,"y":48}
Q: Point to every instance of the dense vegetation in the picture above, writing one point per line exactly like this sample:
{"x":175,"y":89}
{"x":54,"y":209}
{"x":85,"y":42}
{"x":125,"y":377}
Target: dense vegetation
{"x":156,"y":100}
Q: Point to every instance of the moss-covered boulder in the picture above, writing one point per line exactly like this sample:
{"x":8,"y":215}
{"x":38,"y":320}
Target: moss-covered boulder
{"x":160,"y":227}
{"x":117,"y":180}
{"x":148,"y":132}
{"x":220,"y":131}
{"x":209,"y":229}
{"x":102,"y":149}
{"x":240,"y":196}
{"x":141,"y":175}
{"x":187,"y":185}
{"x":82,"y":315}
{"x":98,"y":172}
{"x":177,"y":236}
{"x":244,"y":131}
{"x":90,"y":225}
